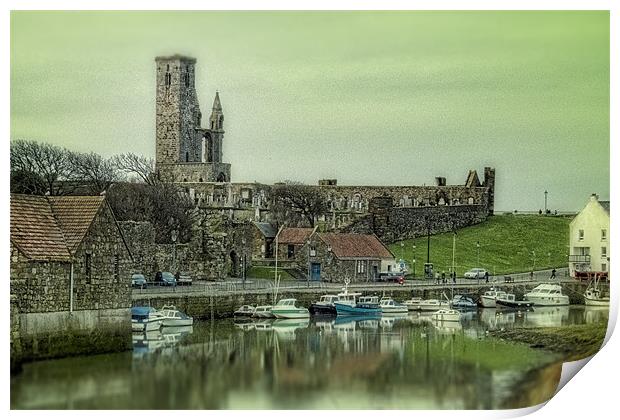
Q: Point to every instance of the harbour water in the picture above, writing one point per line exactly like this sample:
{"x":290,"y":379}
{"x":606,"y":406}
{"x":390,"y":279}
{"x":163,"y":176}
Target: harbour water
{"x":403,"y":362}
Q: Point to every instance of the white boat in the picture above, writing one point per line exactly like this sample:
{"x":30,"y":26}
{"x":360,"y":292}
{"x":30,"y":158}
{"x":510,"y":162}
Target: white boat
{"x":547,"y":294}
{"x":413,"y":304}
{"x":463,"y":302}
{"x":390,"y":306}
{"x":145,"y":318}
{"x":487,"y":300}
{"x":288,"y":309}
{"x":595,"y":296}
{"x":245,"y":311}
{"x":172,"y":317}
{"x":263,"y":311}
{"x":450,"y":315}
{"x":434,"y":304}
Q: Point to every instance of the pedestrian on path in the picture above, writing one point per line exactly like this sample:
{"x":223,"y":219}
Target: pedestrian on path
{"x":486,"y":276}
{"x":552,"y":274}
{"x":454,"y":277}
{"x":443,"y":277}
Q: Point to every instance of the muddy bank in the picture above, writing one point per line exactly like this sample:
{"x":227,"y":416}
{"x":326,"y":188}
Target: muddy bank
{"x":573,"y":342}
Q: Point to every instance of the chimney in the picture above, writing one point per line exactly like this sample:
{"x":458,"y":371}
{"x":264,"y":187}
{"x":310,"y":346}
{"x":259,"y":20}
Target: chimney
{"x":594,"y":197}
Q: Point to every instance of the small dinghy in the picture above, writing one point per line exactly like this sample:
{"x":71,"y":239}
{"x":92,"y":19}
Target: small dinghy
{"x":451,"y":315}
{"x":245,"y":311}
{"x":509,"y":302}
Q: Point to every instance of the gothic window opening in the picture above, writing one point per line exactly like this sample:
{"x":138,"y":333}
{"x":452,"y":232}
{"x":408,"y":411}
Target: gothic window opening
{"x":168,"y":77}
{"x":186,"y":156}
{"x":187,"y":78}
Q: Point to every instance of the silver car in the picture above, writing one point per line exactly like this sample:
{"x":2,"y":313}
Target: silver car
{"x":475,"y":273}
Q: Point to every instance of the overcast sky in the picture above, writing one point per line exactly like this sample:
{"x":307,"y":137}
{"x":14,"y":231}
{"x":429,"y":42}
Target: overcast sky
{"x":370,"y":98}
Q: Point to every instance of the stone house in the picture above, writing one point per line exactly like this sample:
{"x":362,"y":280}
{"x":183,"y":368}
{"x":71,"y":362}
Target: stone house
{"x":263,"y":235}
{"x":69,"y":272}
{"x":335,"y":257}
{"x":589,"y":238}
{"x":291,"y":241}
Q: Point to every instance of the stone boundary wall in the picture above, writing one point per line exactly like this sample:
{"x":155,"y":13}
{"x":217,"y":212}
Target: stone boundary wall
{"x":194,"y":172}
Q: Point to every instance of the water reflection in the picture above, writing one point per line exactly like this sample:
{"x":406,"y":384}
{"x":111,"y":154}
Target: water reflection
{"x":404,"y":361}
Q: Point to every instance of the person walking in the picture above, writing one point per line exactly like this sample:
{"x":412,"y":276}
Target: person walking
{"x":552,"y":274}
{"x":443,"y":277}
{"x":454,"y":277}
{"x":486,"y":276}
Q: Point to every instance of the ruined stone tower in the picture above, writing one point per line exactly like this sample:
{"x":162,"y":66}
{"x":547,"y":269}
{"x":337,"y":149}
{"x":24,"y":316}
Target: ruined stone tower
{"x":185,"y":152}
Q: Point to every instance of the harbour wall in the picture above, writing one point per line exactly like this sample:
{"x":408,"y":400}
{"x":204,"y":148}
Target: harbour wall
{"x":214,"y":306}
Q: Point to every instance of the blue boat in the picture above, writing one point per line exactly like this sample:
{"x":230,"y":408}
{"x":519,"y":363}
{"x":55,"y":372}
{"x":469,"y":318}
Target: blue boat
{"x":365,"y":305}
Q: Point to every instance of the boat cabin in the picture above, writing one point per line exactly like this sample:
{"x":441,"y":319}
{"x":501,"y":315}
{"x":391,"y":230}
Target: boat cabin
{"x":286,"y":302}
{"x":368,"y":300}
{"x":328,"y":299}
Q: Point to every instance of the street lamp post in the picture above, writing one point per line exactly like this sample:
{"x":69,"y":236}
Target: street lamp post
{"x":308,"y":276}
{"x":173,"y":236}
{"x":478,"y":253}
{"x":244,"y":258}
{"x":533,"y":261}
{"x":546,"y":201}
{"x":414,"y":261}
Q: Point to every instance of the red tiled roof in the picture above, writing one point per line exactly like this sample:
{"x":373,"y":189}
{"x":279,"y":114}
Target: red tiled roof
{"x":352,"y":245}
{"x":294,"y":235}
{"x":75,"y":215}
{"x":51,"y":228}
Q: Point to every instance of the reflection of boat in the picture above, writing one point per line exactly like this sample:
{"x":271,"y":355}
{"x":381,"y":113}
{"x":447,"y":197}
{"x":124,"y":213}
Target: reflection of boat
{"x":245,"y":311}
{"x":391,"y":319}
{"x":447,"y":327}
{"x":593,"y":314}
{"x":463,"y":302}
{"x":413,"y":304}
{"x":451,"y":315}
{"x":263,"y":311}
{"x":366,"y":305}
{"x":434,"y":305}
{"x":547,"y":316}
{"x":595,"y":296}
{"x":245,"y":326}
{"x":487,"y":300}
{"x":287,"y":308}
{"x":546,"y":294}
{"x":324,"y":306}
{"x":390,"y":306}
{"x":510,"y":302}
{"x":172,"y":317}
{"x":145,"y":318}
{"x":264,"y":325}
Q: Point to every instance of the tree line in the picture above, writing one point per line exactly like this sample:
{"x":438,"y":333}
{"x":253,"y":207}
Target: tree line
{"x":129,"y":181}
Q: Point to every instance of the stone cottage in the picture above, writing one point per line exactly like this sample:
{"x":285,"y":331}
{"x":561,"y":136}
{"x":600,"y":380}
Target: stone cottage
{"x":335,"y":257}
{"x":69,"y":275}
{"x":262,"y":240}
{"x":291,"y":241}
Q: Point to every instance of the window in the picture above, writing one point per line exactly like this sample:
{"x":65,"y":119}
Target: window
{"x":290,"y":251}
{"x":603,"y":234}
{"x":186,"y":156}
{"x":313,"y":251}
{"x":603,"y":267}
{"x":87,"y":266}
{"x":603,"y":252}
{"x":116,"y":267}
{"x":361,"y":266}
{"x":581,"y":234}
{"x":187,"y":78}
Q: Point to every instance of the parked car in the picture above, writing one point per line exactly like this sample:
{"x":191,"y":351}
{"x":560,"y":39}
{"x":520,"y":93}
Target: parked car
{"x":475,"y":273}
{"x":392,"y":278}
{"x":138,"y":280}
{"x":165,"y":278}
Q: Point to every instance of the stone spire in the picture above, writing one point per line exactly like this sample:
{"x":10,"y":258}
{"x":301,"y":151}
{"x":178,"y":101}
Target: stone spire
{"x":216,"y":121}
{"x":217,"y":106}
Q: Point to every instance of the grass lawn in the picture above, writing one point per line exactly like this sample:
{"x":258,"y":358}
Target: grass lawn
{"x":265,"y":272}
{"x":506,"y":245}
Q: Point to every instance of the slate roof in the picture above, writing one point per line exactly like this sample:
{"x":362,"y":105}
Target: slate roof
{"x":266,"y":229}
{"x":605,"y":205}
{"x":51,"y":228}
{"x":294,"y":235}
{"x":351,"y":245}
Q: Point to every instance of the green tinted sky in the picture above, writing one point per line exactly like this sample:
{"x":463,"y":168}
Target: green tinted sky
{"x":373,"y":98}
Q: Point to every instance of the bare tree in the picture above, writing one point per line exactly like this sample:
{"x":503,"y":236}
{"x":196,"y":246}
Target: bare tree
{"x":293,"y":202}
{"x":96,"y":172}
{"x":140,"y":166}
{"x":53,"y":164}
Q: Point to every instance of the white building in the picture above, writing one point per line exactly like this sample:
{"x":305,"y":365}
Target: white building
{"x":589,"y":238}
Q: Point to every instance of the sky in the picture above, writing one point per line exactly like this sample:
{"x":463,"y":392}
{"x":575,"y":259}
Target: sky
{"x":368,"y":98}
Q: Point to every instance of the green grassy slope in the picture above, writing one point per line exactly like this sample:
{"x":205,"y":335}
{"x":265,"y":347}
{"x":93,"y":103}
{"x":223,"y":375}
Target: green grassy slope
{"x":506,"y":245}
{"x":264,"y":272}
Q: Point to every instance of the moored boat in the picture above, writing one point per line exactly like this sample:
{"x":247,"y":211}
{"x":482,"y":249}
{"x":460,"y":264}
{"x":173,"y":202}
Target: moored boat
{"x":145,"y":318}
{"x":509,"y":301}
{"x":288,"y":309}
{"x":365,"y":305}
{"x":487,"y":300}
{"x":390,"y":306}
{"x":434,"y":305}
{"x":324,"y":306}
{"x":245,"y":311}
{"x":594,"y":296}
{"x":450,"y":315}
{"x":263,"y":311}
{"x":463,"y":302}
{"x":546,"y":294}
{"x":413,"y":304}
{"x":172,"y":317}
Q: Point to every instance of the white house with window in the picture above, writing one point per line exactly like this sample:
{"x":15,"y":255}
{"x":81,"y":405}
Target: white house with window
{"x":589,"y":238}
